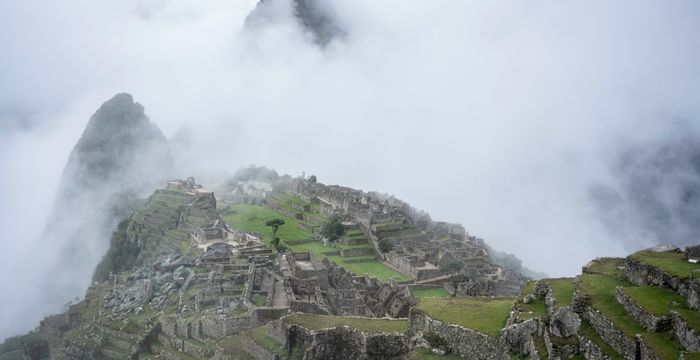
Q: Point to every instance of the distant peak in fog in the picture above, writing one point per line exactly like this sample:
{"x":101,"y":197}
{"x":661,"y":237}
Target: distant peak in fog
{"x":317,"y":17}
{"x":118,"y":138}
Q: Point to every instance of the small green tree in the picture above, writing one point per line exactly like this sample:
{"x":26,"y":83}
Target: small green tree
{"x":312,"y":179}
{"x":275,"y":225}
{"x":385,"y":245}
{"x":333,"y":229}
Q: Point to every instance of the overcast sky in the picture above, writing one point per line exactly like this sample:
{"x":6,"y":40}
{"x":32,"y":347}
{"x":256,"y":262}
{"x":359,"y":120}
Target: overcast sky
{"x":495,"y":114}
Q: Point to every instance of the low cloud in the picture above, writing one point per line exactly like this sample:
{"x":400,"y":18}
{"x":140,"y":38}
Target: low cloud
{"x":497,"y":115}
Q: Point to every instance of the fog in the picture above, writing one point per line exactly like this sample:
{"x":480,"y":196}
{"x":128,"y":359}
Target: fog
{"x":503,"y":116}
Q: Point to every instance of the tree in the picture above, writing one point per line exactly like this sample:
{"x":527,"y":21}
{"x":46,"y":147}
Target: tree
{"x":333,"y":229}
{"x":385,"y":245}
{"x":312,"y":179}
{"x":275,"y":225}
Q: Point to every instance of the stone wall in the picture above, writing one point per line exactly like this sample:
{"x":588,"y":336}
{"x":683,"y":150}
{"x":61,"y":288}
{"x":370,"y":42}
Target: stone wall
{"x":648,"y":321}
{"x":257,"y":351}
{"x":645,"y":351}
{"x":643,"y":274}
{"x":348,"y":343}
{"x":627,"y":346}
{"x":686,"y":336}
{"x":460,"y":340}
{"x":591,"y":351}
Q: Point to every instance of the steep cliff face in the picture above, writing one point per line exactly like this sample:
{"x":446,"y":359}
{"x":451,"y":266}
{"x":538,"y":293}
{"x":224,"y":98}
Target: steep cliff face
{"x":120,"y":147}
{"x":120,"y":157}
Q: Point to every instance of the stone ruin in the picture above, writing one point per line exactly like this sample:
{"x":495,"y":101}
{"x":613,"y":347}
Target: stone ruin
{"x":421,"y":248}
{"x":322,"y":287}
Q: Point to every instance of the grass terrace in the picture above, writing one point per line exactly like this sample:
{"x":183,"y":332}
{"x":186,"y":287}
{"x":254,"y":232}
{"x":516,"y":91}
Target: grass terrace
{"x":536,"y":308}
{"x":601,"y":289}
{"x":369,"y":325}
{"x":439,"y":292}
{"x":612,"y":267}
{"x":661,"y":302}
{"x":259,"y":335}
{"x":252,"y":218}
{"x":487,"y":315}
{"x":563,"y":291}
{"x":673,"y":263}
{"x":587,"y":331}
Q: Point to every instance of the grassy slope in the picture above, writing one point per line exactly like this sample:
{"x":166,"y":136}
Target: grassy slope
{"x":670,"y":262}
{"x":486,"y":315}
{"x":601,"y":288}
{"x":660,"y":302}
{"x":252,"y":218}
{"x":319,"y":322}
{"x":430,"y":293}
{"x":563,"y":291}
{"x":536,"y":308}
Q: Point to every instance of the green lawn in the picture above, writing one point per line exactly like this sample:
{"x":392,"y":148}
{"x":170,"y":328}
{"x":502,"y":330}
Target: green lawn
{"x":672,"y":263}
{"x":260,"y":300}
{"x":535,"y":308}
{"x":252,"y":218}
{"x":486,"y":315}
{"x":374,"y":268}
{"x":601,"y":288}
{"x":234,"y":345}
{"x":563,"y":291}
{"x":661,"y":302}
{"x":612,"y":267}
{"x":430,"y":293}
{"x":370,"y":325}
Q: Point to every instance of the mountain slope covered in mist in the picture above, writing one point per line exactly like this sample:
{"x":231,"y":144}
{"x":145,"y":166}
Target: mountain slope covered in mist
{"x":120,"y":155}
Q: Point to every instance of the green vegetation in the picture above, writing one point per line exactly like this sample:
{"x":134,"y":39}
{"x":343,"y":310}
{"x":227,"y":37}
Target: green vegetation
{"x":121,"y":255}
{"x":673,"y":263}
{"x":587,"y":331}
{"x":541,"y":347}
{"x":259,"y":335}
{"x":333,"y":229}
{"x":260,"y":300}
{"x":370,"y":325}
{"x":373,"y":267}
{"x":612,"y":267}
{"x":430,"y":293}
{"x":563,"y":291}
{"x":536,"y":308}
{"x":486,"y":315}
{"x":601,"y":289}
{"x":234,"y":345}
{"x":661,"y":302}
{"x":385,"y":245}
{"x":12,"y":355}
{"x":252,"y":218}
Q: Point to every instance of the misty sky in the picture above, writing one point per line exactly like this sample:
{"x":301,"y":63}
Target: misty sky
{"x":495,"y":114}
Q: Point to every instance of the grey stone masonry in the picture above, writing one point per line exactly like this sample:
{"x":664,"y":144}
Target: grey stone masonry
{"x":650,"y":322}
{"x":462,"y":341}
{"x":624,"y":345}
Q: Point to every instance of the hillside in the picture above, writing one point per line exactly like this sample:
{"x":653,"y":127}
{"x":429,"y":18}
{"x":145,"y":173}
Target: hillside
{"x":192,"y":276}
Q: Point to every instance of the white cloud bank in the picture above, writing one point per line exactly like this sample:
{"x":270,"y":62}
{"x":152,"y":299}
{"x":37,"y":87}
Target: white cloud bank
{"x":495,"y":114}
